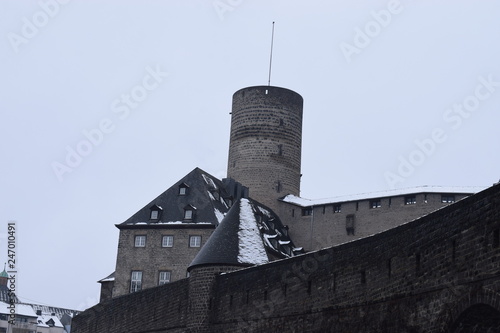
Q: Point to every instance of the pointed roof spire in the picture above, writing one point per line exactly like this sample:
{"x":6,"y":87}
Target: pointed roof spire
{"x":4,"y":273}
{"x":236,"y":241}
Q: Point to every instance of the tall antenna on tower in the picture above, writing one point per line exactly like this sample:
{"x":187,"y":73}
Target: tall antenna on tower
{"x":271,"y":57}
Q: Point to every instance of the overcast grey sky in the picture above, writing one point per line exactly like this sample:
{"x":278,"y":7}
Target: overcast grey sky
{"x":396,"y":94}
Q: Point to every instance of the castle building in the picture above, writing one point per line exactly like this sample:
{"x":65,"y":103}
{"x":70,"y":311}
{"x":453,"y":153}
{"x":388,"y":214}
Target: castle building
{"x":248,"y":254}
{"x":160,"y":242}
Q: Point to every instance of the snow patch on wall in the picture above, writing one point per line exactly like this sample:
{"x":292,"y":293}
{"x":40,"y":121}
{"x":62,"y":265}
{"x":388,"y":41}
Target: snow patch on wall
{"x":251,"y":246}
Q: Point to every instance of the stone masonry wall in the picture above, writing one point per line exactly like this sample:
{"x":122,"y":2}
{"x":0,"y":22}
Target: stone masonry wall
{"x":326,"y":228}
{"x":161,"y":309}
{"x":154,"y":258}
{"x":201,"y":285}
{"x":418,"y":277}
{"x":265,"y":143}
{"x":413,"y":278}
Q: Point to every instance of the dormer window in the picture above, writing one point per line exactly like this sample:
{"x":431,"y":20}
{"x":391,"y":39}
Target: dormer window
{"x":189,"y":212}
{"x":155,"y":212}
{"x":183,"y":189}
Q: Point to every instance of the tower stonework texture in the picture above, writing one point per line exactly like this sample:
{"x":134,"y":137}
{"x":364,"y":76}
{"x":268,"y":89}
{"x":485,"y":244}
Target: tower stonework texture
{"x":266,"y":141}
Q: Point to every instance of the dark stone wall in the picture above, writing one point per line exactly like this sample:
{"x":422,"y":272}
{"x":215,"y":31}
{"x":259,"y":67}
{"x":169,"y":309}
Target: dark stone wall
{"x":161,"y":309}
{"x":440,"y":273}
{"x":417,"y":277}
{"x":326,"y":228}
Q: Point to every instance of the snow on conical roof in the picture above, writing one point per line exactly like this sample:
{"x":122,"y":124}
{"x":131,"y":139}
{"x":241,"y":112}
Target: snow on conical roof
{"x":237,"y":241}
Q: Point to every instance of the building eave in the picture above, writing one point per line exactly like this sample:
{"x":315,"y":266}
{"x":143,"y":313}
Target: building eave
{"x":166,"y":226}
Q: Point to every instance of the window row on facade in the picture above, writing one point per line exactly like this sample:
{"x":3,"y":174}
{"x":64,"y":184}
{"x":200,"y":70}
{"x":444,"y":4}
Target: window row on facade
{"x":167,"y":241}
{"x":377,"y":203}
{"x":136,"y":279}
{"x":156,"y":212}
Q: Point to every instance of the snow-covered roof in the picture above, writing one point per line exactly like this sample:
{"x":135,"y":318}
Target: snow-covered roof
{"x":21,"y":309}
{"x":245,"y":237}
{"x":381,"y":194}
{"x":45,"y":321}
{"x":109,"y":278}
{"x":251,"y":248}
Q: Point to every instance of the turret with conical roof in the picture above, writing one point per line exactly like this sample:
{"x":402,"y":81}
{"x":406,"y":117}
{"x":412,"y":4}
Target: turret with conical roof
{"x":250,"y":234}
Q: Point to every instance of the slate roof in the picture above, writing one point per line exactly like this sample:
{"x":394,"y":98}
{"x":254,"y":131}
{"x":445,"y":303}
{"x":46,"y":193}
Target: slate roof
{"x":205,"y":193}
{"x":250,"y":234}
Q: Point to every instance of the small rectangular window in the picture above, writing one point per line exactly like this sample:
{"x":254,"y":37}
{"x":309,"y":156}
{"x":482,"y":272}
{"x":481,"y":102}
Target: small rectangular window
{"x":154,"y":214}
{"x":447,"y":198}
{"x":350,"y":224}
{"x":375,"y":203}
{"x":194,"y":241}
{"x":182,"y":191}
{"x":167,"y":241}
{"x":188,"y":214}
{"x":307,"y":211}
{"x":140,"y":241}
{"x":136,"y":281}
{"x":337,"y":208}
{"x":163,"y":277}
{"x":410,"y":200}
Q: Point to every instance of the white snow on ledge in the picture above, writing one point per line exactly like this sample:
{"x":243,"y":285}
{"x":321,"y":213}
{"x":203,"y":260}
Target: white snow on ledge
{"x":170,"y":222}
{"x":389,"y":193}
{"x":251,"y":246}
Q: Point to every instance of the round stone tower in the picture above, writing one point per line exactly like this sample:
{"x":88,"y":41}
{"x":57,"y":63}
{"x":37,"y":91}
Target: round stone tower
{"x":266,"y":142}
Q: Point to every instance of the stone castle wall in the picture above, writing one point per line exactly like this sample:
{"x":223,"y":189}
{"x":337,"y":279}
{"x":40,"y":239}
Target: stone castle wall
{"x":161,"y":309}
{"x":417,"y":277}
{"x":325,"y":227}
